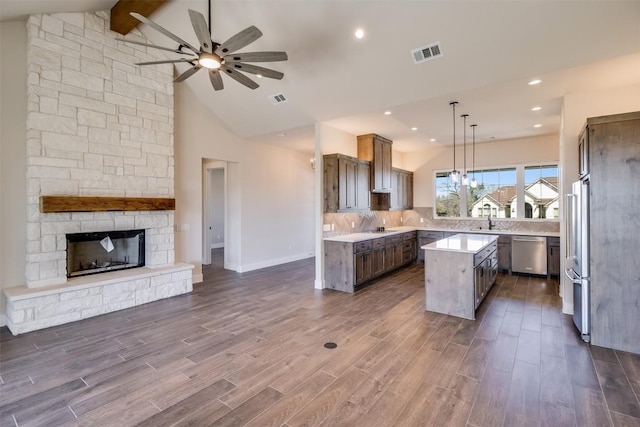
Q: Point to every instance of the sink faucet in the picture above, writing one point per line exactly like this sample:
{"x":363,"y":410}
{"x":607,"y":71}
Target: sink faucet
{"x":491,"y":224}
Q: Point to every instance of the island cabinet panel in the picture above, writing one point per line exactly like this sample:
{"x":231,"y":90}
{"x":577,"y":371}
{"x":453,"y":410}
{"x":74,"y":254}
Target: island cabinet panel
{"x":459,"y":272}
{"x":449,"y":284}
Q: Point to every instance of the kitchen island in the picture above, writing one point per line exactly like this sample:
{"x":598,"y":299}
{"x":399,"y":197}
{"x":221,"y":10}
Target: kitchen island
{"x":459,"y":271}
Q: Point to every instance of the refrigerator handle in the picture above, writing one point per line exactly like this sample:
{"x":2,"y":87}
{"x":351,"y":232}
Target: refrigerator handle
{"x":573,"y":277}
{"x":567,"y":226}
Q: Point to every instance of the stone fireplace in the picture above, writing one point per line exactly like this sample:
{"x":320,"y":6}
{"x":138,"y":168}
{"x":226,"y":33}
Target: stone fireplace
{"x":97,"y":126}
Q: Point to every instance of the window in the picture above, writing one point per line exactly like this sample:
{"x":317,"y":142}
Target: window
{"x":493,"y":195}
{"x":497,"y":192}
{"x":447,"y":196}
{"x":541,"y":191}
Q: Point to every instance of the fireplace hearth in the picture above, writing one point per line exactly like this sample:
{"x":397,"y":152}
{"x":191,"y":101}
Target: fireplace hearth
{"x":101,"y":252}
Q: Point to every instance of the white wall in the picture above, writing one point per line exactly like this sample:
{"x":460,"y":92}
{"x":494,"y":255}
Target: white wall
{"x":499,"y":153}
{"x":575,"y":111}
{"x":13,"y":182}
{"x":272,"y":206}
{"x":216,"y":218}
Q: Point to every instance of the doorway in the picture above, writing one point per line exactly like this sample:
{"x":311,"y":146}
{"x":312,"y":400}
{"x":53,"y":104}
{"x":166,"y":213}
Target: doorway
{"x":221,"y":212}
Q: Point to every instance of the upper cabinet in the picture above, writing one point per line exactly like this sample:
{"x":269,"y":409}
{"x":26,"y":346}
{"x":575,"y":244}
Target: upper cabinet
{"x":401,"y":189}
{"x":346,"y":184}
{"x":377,"y":150}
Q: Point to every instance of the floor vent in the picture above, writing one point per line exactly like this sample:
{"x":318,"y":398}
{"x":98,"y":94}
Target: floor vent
{"x":277,"y":99}
{"x":426,"y":53}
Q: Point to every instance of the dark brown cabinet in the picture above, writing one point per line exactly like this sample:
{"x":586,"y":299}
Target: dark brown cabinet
{"x":583,"y":153}
{"x":553,"y":256}
{"x":349,"y":266}
{"x":504,"y":253}
{"x":401,"y":189}
{"x":377,"y":150}
{"x":426,"y":237}
{"x":346,"y":184}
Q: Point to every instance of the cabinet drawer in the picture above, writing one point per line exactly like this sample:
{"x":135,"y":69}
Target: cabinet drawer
{"x":362,"y":246}
{"x":407,"y":245}
{"x":378,"y":243}
{"x":432,"y":235}
{"x":392,"y":240}
{"x":480,"y":256}
{"x":553,"y":241}
{"x":409,"y":236}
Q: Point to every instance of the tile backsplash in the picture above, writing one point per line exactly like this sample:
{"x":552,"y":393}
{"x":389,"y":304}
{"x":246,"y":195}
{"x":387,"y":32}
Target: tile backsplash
{"x":345,"y":223}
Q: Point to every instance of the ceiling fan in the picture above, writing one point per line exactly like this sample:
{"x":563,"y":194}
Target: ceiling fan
{"x":217,"y":58}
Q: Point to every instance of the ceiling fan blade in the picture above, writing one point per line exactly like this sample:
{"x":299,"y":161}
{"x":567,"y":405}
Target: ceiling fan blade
{"x":163,"y":31}
{"x":254,"y":69}
{"x":239,"y":77}
{"x":216,"y":79}
{"x":240,"y":40}
{"x":257,"y":57}
{"x":191,"y":71}
{"x":168,"y":49}
{"x":201,"y":30}
{"x":166,"y":61}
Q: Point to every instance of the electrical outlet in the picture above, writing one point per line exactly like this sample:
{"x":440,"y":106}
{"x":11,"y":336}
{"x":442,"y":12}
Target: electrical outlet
{"x":326,"y":227}
{"x":421,"y":220}
{"x":353,"y":224}
{"x":384,"y":221}
{"x":401,"y":219}
{"x":333,"y":227}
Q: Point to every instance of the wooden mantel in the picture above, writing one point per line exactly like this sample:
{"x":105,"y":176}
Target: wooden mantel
{"x":52,"y":204}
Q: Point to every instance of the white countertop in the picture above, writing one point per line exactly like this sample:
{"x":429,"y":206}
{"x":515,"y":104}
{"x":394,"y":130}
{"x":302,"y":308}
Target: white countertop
{"x":469,"y":243}
{"x":358,"y":237}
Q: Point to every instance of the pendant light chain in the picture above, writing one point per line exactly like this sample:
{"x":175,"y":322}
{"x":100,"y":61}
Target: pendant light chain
{"x":474,"y":183}
{"x":454,"y":172}
{"x":465,"y":179}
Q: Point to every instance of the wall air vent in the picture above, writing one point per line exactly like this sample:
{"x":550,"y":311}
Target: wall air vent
{"x":426,"y":53}
{"x":277,"y":99}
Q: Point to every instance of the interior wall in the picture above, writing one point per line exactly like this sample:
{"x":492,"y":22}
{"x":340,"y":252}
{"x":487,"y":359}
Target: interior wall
{"x":499,"y":153}
{"x":272,"y":203}
{"x":575,"y":111}
{"x":13,"y":181}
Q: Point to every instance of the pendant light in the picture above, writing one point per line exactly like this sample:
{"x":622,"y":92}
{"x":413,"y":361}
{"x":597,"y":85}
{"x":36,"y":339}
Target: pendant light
{"x":455,"y":175}
{"x":465,"y":178}
{"x":474,"y":183}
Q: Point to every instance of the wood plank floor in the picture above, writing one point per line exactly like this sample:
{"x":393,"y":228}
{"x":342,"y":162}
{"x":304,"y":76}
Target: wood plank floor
{"x":248,"y":349}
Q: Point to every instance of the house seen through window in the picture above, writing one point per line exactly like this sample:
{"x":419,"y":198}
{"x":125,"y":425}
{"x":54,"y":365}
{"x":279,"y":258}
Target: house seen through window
{"x":497,"y":191}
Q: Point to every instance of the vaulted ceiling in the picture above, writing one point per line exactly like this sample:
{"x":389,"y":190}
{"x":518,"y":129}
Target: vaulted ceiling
{"x":490,"y":50}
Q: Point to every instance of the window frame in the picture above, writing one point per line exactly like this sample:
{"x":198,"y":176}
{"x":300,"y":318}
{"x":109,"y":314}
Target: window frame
{"x":520,"y":188}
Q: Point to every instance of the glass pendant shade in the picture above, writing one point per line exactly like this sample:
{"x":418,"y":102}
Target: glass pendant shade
{"x":455,"y":175}
{"x":465,"y":179}
{"x":474,"y":183}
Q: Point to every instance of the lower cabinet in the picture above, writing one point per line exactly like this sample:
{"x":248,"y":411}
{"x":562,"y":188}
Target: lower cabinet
{"x":349,"y":266}
{"x":426,"y":237}
{"x":553,"y":256}
{"x":504,"y":253}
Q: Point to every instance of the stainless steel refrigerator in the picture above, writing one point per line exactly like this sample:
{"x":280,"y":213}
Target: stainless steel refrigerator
{"x":577,"y":248}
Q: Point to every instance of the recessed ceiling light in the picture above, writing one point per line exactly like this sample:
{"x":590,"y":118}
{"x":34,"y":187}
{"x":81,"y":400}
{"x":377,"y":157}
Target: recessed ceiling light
{"x":387,"y":113}
{"x":432,"y":140}
{"x":535,"y":82}
{"x":537,"y":125}
{"x":359,"y":33}
{"x":414,"y":128}
{"x":536,"y":109}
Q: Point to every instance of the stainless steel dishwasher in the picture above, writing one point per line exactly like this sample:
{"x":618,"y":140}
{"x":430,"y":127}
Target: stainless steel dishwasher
{"x":529,"y":254}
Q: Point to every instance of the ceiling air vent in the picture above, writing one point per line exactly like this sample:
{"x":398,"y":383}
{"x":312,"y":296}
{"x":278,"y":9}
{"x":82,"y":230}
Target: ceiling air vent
{"x":277,"y":99}
{"x":426,"y":53}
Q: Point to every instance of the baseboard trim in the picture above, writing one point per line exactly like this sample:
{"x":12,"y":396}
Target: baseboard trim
{"x":3,"y":320}
{"x":273,"y":262}
{"x":197,"y":278}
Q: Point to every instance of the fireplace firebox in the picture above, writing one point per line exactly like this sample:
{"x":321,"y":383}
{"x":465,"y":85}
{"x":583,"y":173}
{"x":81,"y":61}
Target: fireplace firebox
{"x":100,"y":252}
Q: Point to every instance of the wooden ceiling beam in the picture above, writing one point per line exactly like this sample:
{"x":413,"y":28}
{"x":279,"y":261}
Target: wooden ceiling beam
{"x":122,"y":22}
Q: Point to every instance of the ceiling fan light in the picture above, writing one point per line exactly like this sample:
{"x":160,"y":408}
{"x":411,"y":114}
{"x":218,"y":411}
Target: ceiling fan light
{"x":209,"y":60}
